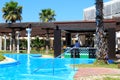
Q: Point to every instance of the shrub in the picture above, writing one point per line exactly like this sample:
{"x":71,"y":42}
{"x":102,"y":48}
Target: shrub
{"x":99,"y":62}
{"x":2,"y":57}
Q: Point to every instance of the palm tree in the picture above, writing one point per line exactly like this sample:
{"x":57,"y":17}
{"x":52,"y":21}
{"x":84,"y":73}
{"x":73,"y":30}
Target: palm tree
{"x":47,"y":15}
{"x":12,"y":13}
{"x":100,"y":34}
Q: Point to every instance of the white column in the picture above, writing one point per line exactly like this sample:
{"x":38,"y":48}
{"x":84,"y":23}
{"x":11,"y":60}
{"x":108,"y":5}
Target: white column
{"x":18,"y":34}
{"x":28,"y":39}
{"x":73,"y":41}
{"x":10,"y":41}
{"x":117,"y":39}
{"x":4,"y":42}
{"x":51,"y":42}
{"x":0,"y":42}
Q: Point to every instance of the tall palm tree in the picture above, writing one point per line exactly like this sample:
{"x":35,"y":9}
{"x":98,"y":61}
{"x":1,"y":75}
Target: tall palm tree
{"x":100,"y":34}
{"x":47,"y":15}
{"x":12,"y":13}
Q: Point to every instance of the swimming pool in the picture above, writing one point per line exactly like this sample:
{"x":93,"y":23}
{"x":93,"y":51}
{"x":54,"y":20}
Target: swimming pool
{"x":30,"y":67}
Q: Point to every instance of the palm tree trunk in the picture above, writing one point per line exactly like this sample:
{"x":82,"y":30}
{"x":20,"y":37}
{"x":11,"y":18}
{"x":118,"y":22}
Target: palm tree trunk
{"x":101,"y":46}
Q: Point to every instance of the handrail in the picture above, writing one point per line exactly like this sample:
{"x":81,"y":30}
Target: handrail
{"x":38,"y":68}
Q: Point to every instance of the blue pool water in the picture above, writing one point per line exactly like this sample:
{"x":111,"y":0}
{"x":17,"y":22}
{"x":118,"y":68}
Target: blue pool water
{"x":30,"y":67}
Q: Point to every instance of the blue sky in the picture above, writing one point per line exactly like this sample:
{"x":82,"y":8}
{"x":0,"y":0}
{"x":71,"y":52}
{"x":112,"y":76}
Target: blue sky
{"x":66,"y":10}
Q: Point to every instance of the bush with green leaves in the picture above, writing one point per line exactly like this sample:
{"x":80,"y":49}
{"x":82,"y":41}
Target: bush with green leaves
{"x":37,"y":43}
{"x":23,"y":44}
{"x":2,"y":57}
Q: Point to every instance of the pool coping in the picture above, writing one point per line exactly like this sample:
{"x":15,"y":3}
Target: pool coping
{"x":7,"y":60}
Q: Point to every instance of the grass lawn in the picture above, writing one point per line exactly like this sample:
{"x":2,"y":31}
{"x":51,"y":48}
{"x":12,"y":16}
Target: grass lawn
{"x":97,"y":64}
{"x":94,"y":65}
{"x":109,"y":78}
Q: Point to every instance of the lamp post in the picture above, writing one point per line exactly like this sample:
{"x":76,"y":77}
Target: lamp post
{"x":4,"y":42}
{"x":10,"y":41}
{"x":0,"y":42}
{"x":28,"y":29}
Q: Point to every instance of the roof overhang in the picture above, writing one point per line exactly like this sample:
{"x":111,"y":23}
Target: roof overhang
{"x":39,"y":28}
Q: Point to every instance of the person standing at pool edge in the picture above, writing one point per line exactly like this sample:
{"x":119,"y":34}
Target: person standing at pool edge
{"x":75,"y":50}
{"x":77,"y":44}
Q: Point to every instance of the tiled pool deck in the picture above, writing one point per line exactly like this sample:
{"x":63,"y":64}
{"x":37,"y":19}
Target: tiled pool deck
{"x":88,"y":73}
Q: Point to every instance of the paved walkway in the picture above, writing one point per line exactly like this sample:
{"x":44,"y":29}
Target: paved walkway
{"x":82,"y":73}
{"x":7,"y":60}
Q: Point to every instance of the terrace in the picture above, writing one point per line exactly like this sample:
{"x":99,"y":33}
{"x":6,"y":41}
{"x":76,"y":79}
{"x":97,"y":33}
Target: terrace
{"x":66,"y":30}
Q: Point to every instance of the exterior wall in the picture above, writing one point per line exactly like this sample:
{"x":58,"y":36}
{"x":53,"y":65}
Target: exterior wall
{"x":89,"y":13}
{"x":111,"y":9}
